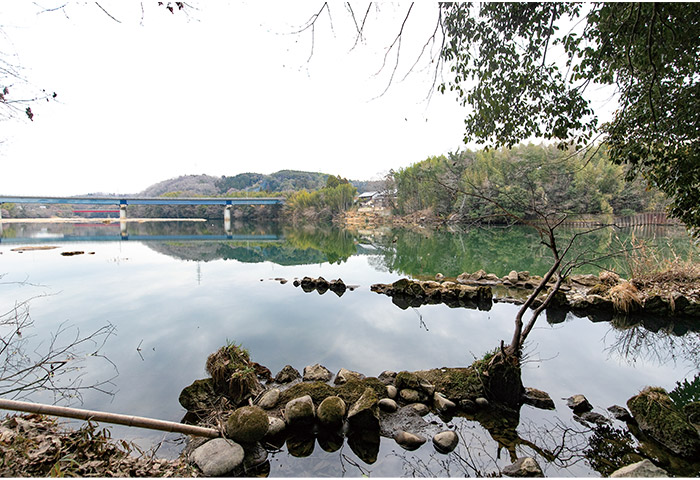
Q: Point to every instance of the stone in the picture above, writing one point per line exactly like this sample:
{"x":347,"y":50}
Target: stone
{"x":643,"y":469}
{"x":275,"y":426}
{"x":409,"y":395}
{"x":445,"y":442}
{"x":420,"y":408}
{"x":344,"y":375}
{"x":317,"y":373}
{"x":620,"y":413}
{"x":287,"y":374}
{"x":512,"y":277}
{"x":523,"y":276}
{"x":300,"y":411}
{"x":523,"y":467}
{"x":308,"y":284}
{"x":481,"y":402}
{"x":388,"y":405}
{"x":247,"y":424}
{"x":579,"y":404}
{"x":587,"y":280}
{"x":387,"y":377}
{"x":442,"y":403}
{"x":218,"y":457}
{"x":338,"y":287}
{"x":414,"y":382}
{"x":608,"y":278}
{"x":591,"y":417}
{"x":392,"y":392}
{"x":331,"y":412}
{"x":255,"y":454}
{"x":322,"y":285}
{"x":409,"y":441}
{"x":467,"y":405}
{"x":364,"y":413}
{"x":692,"y":411}
{"x":538,"y":399}
{"x":439,"y":277}
{"x":660,"y":419}
{"x":269,"y":399}
{"x":199,"y":396}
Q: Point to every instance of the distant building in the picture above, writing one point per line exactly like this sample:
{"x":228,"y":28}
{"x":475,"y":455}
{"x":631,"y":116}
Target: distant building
{"x":372,"y":199}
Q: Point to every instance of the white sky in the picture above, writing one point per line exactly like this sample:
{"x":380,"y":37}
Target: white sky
{"x":224,"y":92}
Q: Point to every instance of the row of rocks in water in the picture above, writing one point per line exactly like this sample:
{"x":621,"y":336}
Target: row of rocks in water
{"x":603,"y":295}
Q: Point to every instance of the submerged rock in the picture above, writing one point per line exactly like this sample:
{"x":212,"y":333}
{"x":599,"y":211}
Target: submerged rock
{"x":446,"y":441}
{"x":579,"y":404}
{"x":523,"y":467}
{"x":218,"y":457}
{"x":643,"y":469}
{"x":538,"y":399}
{"x":409,"y":441}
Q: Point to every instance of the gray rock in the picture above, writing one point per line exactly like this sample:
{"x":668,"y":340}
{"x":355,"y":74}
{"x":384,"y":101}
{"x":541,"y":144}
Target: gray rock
{"x":467,"y":405}
{"x":406,"y":419}
{"x":388,"y":405}
{"x":523,"y":276}
{"x":481,"y":402}
{"x":446,"y":441}
{"x":439,"y":277}
{"x":287,"y":374}
{"x":442,"y":403}
{"x":620,"y":413}
{"x":409,"y":441}
{"x":420,"y":408}
{"x":513,"y":277}
{"x":300,"y":411}
{"x":411,"y":396}
{"x":317,"y":373}
{"x":591,"y":417}
{"x":640,"y":470}
{"x":331,"y":412}
{"x":269,"y":399}
{"x":523,"y":467}
{"x":387,"y":377}
{"x":275,"y":426}
{"x":538,"y":399}
{"x":218,"y":457}
{"x":344,"y":375}
{"x":391,"y":391}
{"x":255,"y":454}
{"x":586,"y":280}
{"x":579,"y":404}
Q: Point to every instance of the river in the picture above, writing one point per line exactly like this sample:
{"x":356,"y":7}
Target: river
{"x":172,"y":294}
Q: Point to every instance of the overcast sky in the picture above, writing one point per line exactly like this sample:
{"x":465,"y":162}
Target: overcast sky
{"x":225,"y":90}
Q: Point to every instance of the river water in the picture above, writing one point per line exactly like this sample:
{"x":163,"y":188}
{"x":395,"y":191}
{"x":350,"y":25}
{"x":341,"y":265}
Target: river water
{"x":172,"y":293}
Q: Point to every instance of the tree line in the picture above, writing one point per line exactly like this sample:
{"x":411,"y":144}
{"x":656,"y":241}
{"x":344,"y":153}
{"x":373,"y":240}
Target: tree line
{"x":481,"y":185}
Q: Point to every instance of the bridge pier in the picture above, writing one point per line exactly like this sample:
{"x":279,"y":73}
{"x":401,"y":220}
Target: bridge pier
{"x":227,"y":219}
{"x":122,"y":222}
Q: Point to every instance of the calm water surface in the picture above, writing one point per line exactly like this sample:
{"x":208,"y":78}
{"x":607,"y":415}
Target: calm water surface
{"x":173,"y":300}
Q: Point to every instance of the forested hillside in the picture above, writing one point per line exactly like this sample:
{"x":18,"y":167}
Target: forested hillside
{"x":470,"y":184}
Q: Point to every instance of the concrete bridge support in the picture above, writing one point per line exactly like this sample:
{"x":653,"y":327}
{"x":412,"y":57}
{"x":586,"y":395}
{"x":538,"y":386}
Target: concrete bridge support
{"x":227,"y":219}
{"x":122,"y":222}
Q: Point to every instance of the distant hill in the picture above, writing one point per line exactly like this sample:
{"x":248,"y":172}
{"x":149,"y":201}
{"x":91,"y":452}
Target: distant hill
{"x":282,"y":181}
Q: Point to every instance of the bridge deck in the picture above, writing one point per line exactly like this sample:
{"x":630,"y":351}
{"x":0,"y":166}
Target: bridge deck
{"x":146,"y":200}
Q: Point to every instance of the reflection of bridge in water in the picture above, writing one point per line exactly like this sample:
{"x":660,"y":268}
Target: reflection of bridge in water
{"x":140,"y":238}
{"x":122,"y":202}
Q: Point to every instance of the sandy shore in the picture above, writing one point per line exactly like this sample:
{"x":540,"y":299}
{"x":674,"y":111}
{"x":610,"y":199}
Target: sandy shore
{"x":97,"y":220}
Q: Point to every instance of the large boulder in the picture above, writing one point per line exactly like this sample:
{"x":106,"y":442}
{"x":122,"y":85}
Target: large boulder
{"x":643,"y":469}
{"x":331,"y":412}
{"x":364,"y":413}
{"x":660,"y":419}
{"x":300,"y":411}
{"x":247,"y":424}
{"x":218,"y":457}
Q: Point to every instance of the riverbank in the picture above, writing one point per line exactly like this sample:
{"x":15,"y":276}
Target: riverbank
{"x":97,"y":220}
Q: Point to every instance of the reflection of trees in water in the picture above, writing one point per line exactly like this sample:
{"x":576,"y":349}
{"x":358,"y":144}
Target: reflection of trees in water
{"x":634,"y":341}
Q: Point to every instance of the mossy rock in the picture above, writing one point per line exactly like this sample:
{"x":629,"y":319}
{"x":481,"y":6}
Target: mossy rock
{"x":199,"y":396}
{"x":318,"y":391}
{"x":331,"y":412}
{"x":692,"y":411}
{"x":364,"y":413}
{"x":247,"y":424}
{"x":455,"y":383}
{"x":660,"y":419}
{"x":352,"y":390}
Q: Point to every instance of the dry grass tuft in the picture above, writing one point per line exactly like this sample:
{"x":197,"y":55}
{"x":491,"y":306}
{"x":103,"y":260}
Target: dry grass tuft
{"x":625,"y":297}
